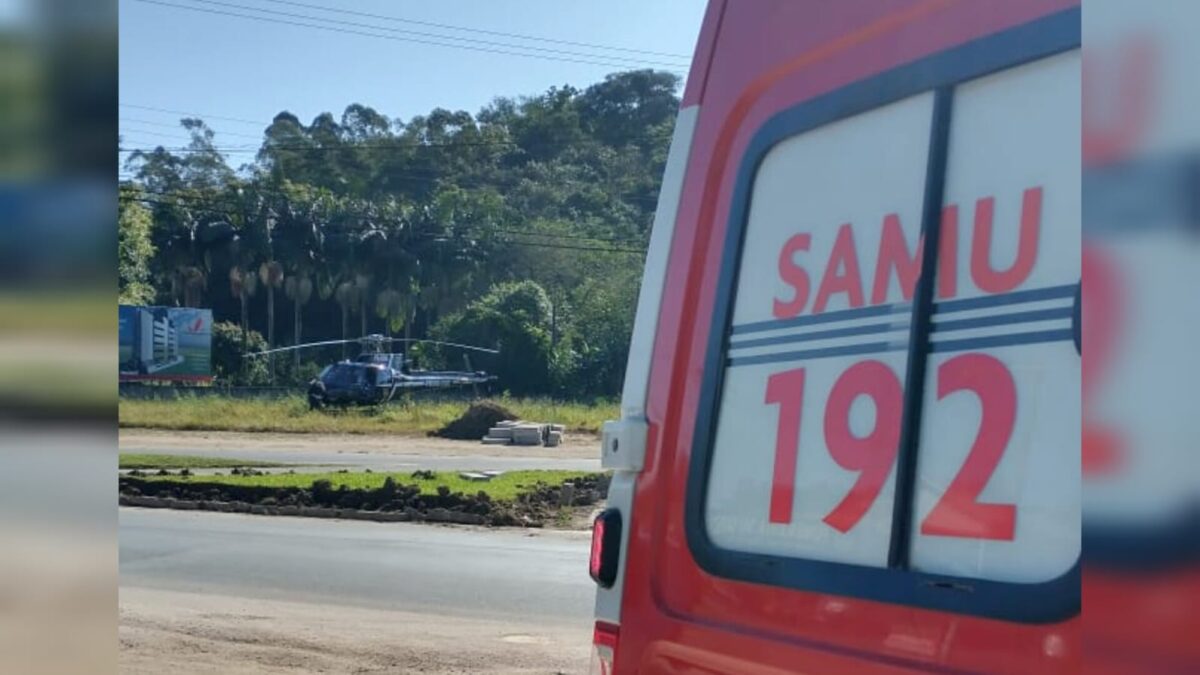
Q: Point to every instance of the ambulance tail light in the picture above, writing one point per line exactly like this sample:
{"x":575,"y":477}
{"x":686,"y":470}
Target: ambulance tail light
{"x":606,"y":548}
{"x":604,"y":648}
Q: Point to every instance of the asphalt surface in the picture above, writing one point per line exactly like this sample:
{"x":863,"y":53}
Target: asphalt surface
{"x":384,"y":462}
{"x":536,"y":577}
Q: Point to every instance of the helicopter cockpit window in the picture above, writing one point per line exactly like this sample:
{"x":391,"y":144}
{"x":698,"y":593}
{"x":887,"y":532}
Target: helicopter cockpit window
{"x":345,"y":375}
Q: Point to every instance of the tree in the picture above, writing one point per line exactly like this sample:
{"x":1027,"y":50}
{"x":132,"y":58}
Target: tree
{"x":270,"y":273}
{"x":297,"y":242}
{"x":243,"y":282}
{"x":229,"y":348}
{"x":628,"y":107}
{"x":201,"y":169}
{"x":134,"y":252}
{"x":179,"y":260}
{"x":602,"y":312}
{"x":515,"y":318}
{"x":430,"y":226}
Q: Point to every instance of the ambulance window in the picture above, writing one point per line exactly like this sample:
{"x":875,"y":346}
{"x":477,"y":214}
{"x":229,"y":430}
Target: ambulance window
{"x":809,"y":416}
{"x":997,"y":485}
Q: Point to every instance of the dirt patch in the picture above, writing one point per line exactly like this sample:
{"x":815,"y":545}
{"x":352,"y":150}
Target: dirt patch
{"x":475,"y":422}
{"x":541,"y":506}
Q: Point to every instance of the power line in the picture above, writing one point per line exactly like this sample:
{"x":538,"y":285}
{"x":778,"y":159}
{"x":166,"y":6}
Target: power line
{"x":481,"y":31}
{"x":148,"y":148}
{"x":526,"y":244}
{"x":155,"y":133}
{"x":190,"y":114}
{"x":477,"y":182}
{"x":392,"y":142}
{"x":388,"y":144}
{"x":489,"y":43}
{"x":608,"y":64}
{"x":188,"y":200}
{"x":397,"y":143}
{"x":180,"y":128}
{"x":195,"y":199}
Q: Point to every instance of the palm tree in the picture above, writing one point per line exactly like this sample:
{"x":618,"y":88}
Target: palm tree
{"x":270,"y":273}
{"x":174,"y":238}
{"x":242,"y":284}
{"x":346,"y":295}
{"x":299,"y":289}
{"x":297,"y":240}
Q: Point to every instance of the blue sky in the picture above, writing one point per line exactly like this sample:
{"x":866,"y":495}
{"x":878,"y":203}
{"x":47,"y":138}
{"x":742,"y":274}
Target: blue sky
{"x":219,"y":65}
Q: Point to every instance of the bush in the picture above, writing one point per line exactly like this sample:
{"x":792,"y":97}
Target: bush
{"x":229,"y":347}
{"x":515,"y":318}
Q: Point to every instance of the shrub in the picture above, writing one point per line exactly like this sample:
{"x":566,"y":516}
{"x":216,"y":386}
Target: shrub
{"x":228,"y":349}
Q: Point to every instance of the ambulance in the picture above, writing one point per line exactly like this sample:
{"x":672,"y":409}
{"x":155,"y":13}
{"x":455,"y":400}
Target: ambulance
{"x":850,"y":427}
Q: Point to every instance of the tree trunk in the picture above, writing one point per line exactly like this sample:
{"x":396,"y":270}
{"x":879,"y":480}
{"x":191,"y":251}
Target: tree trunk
{"x":296,"y":335}
{"x":345,"y":327}
{"x":245,"y":334}
{"x":271,"y":330}
{"x":553,"y":324}
{"x":408,"y":316}
{"x":363,"y":308}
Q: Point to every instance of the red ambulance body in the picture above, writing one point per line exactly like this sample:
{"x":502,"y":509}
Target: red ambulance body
{"x":850,"y":433}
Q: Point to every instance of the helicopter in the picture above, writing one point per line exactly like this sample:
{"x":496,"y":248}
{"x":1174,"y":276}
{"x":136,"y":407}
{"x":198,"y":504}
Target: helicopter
{"x":374,"y":376}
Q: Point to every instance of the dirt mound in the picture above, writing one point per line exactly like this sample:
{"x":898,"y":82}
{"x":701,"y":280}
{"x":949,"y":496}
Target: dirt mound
{"x":475,"y":422}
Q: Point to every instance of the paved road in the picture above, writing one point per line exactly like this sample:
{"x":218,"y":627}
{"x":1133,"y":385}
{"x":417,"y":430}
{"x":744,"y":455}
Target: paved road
{"x":228,"y":594}
{"x":533,"y":576}
{"x":384,"y":462}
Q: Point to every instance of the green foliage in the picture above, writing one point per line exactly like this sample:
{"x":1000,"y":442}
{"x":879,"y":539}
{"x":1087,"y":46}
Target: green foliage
{"x":292,"y":415}
{"x":287,"y":372}
{"x":134,"y":253}
{"x":229,"y":347}
{"x":515,"y":318}
{"x":130,"y":460}
{"x":601,"y":322}
{"x":504,"y":487}
{"x":367,"y":223}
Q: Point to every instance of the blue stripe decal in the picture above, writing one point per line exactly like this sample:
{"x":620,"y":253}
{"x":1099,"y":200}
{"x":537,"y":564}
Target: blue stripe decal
{"x":1004,"y":319}
{"x":988,"y":342}
{"x":845,"y":315}
{"x":1003,"y":340}
{"x":820,"y":335}
{"x":846,"y":350}
{"x":1048,"y":293}
{"x":984,"y":302}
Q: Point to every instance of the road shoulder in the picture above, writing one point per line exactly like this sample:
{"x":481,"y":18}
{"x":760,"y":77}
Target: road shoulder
{"x":575,"y":446}
{"x":171,"y":631}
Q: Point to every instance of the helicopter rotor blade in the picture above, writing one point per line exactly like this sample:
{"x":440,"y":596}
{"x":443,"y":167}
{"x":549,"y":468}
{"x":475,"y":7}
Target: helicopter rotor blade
{"x":368,"y":340}
{"x":448,"y":344}
{"x":305,"y":345}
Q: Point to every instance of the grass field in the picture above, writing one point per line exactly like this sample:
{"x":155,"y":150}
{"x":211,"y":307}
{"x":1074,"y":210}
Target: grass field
{"x":501,"y":488}
{"x":292,"y":415}
{"x":129,"y":460}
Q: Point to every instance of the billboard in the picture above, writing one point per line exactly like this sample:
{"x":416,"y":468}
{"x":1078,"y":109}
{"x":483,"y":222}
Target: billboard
{"x":165,"y":343}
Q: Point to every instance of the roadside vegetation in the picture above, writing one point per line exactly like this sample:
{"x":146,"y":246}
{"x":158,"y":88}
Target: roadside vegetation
{"x":520,"y":226}
{"x":291,"y":415}
{"x":131,"y":460}
{"x":504,"y":487}
{"x":517,"y":498}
